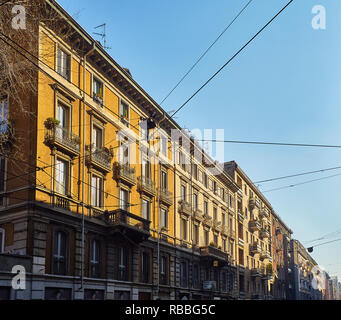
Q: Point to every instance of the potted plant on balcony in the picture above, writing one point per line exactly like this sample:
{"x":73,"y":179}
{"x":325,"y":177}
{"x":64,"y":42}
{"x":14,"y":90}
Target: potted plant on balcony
{"x":51,"y":123}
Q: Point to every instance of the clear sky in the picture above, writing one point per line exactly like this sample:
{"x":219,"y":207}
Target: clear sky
{"x":284,"y":87}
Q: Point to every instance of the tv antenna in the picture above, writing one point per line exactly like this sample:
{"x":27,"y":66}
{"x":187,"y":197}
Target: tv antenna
{"x":103,"y":35}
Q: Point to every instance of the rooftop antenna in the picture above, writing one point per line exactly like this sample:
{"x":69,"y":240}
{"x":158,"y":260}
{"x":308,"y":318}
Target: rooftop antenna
{"x":103,"y":35}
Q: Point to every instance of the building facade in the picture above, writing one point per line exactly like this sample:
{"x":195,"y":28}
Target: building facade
{"x":116,"y":207}
{"x":254,"y":232}
{"x":104,"y":196}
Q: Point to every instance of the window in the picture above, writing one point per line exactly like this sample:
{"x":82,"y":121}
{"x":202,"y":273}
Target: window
{"x":224,"y":245}
{"x":96,"y":191}
{"x":205,"y":180}
{"x":2,"y":240}
{"x":195,"y":202}
{"x":183,"y":274}
{"x":223,"y":219}
{"x":97,"y":90}
{"x":124,"y":152}
{"x":164,"y":180}
{"x":146,"y":209}
{"x":164,"y":218}
{"x":63,"y":115}
{"x":216,"y":279}
{"x":183,"y":193}
{"x":60,"y":253}
{"x":195,"y":171}
{"x":206,"y":208}
{"x":124,"y":199}
{"x":62,"y":174}
{"x":145,"y":267}
{"x":224,"y":281}
{"x":215,"y":239}
{"x":196,"y":234}
{"x":215,"y":214}
{"x":184,"y":229}
{"x":63,"y":64}
{"x":196,"y":276}
{"x":183,"y":161}
{"x":122,"y":264}
{"x":164,"y":270}
{"x":124,"y":113}
{"x":215,"y":190}
{"x":146,"y":168}
{"x":3,"y":115}
{"x":95,"y":259}
{"x":164,"y":145}
{"x":207,"y":237}
{"x":2,"y":178}
{"x":231,"y":201}
{"x":97,"y":138}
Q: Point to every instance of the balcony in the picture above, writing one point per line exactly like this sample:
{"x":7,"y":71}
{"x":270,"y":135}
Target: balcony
{"x":185,"y":208}
{"x":254,"y":202}
{"x":207,"y":221}
{"x":257,"y":272}
{"x":228,"y":232}
{"x":166,"y":196}
{"x":211,"y":253}
{"x":146,"y":185}
{"x":264,"y":213}
{"x":63,"y":139}
{"x":264,"y":233}
{"x":216,"y":225}
{"x":125,"y":173}
{"x":241,"y":242}
{"x":265,"y":255}
{"x":197,"y":214}
{"x":255,"y":249}
{"x":255,"y":225}
{"x":100,"y":158}
{"x":123,"y":222}
{"x":63,"y":201}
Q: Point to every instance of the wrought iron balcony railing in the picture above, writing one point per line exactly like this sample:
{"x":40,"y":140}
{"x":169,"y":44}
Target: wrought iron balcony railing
{"x":166,"y":195}
{"x":213,"y":252}
{"x":255,"y":225}
{"x":146,"y":184}
{"x":264,"y":233}
{"x":62,"y":138}
{"x":100,"y":157}
{"x":255,"y":249}
{"x":124,"y":172}
{"x":132,"y":225}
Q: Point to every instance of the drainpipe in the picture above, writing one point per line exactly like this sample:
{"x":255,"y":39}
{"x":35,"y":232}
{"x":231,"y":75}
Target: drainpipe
{"x":158,"y":209}
{"x":83,"y":167}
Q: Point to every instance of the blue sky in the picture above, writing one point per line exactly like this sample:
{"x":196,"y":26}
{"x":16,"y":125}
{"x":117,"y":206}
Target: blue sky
{"x":284,"y":87}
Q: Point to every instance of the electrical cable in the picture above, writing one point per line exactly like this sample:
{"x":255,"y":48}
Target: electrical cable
{"x":205,"y":52}
{"x":231,"y":59}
